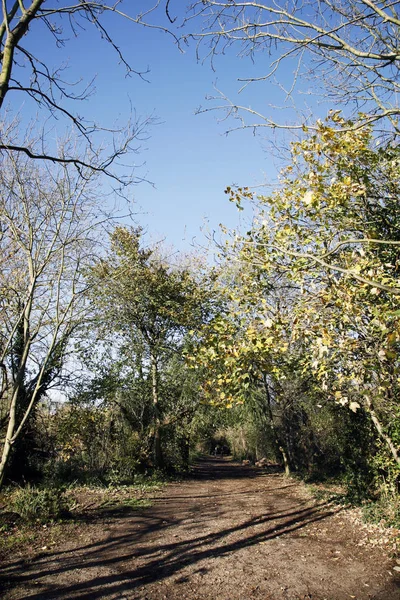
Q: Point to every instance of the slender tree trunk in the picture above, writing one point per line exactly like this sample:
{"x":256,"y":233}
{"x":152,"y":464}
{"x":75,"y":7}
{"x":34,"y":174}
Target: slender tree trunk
{"x":378,"y":426}
{"x":12,"y":428}
{"x":278,"y":441}
{"x":285,"y":460}
{"x":158,"y":458}
{"x":242,"y":438}
{"x":9,"y":436}
{"x":185,"y":448}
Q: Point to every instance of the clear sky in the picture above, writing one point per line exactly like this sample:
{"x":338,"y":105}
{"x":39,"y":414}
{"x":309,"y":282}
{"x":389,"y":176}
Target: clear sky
{"x":187,"y":156}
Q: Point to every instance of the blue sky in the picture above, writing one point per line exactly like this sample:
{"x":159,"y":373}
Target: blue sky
{"x":187,"y":156}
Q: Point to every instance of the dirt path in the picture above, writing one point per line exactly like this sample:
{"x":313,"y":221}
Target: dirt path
{"x":229,"y":533}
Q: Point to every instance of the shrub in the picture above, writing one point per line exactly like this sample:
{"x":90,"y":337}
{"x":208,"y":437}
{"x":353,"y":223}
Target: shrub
{"x":383,"y":511}
{"x":39,"y":504}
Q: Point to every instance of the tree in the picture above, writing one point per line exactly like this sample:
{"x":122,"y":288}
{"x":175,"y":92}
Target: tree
{"x":22,"y":73}
{"x":150,"y":306}
{"x":48,"y":228}
{"x":348,"y":49}
{"x":337,"y":201}
{"x":241,"y":350}
{"x":332,"y":231}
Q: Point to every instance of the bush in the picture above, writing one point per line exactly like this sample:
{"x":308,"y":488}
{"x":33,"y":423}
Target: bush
{"x":175,"y":449}
{"x":39,"y":504}
{"x":384,"y":508}
{"x":383,"y":511}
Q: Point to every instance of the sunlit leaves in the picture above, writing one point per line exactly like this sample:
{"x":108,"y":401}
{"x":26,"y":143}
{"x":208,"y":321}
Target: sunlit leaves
{"x":317,"y":277}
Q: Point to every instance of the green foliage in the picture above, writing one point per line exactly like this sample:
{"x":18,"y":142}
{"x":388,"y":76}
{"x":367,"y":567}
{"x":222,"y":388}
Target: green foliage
{"x":94,"y":445}
{"x":39,"y":505}
{"x":308,"y":336}
{"x":147,"y":313}
{"x":384,"y":509}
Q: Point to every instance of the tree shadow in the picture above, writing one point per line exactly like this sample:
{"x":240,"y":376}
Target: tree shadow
{"x":156,"y":562}
{"x":143,"y":548}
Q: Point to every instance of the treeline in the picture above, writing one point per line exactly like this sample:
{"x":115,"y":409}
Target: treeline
{"x":287,"y":350}
{"x":93,"y":332}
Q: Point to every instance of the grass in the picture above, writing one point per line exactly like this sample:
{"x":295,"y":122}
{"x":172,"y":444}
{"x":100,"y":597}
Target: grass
{"x":38,"y":504}
{"x":39,"y":518}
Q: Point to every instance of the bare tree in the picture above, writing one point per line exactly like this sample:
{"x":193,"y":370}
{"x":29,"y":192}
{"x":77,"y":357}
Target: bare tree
{"x":348,"y":49}
{"x":49,"y":225}
{"x":23,"y":74}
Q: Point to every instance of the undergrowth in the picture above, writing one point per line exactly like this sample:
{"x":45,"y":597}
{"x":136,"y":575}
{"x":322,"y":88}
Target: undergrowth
{"x":33,"y":516}
{"x":382,"y":509}
{"x":39,"y":504}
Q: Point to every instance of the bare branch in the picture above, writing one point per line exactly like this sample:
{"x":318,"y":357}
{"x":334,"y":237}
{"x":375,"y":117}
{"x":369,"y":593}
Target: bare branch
{"x":51,"y":219}
{"x":349,"y":50}
{"x":45,"y":86}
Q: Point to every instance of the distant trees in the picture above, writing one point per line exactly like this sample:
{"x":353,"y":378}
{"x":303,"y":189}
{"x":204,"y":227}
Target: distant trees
{"x":147,"y":307}
{"x":128,"y":318}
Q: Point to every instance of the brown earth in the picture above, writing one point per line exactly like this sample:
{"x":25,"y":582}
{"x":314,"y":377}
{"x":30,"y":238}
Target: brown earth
{"x":230,"y":532}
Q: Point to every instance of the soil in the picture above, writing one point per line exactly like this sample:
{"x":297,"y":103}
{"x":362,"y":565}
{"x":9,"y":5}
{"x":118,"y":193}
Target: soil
{"x":230,"y":532}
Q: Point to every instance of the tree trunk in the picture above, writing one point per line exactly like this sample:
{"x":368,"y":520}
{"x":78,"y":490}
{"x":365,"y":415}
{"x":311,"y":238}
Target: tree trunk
{"x":157,"y":450}
{"x":9,"y":435}
{"x":278,"y":441}
{"x":185,"y":450}
{"x":285,"y":460}
{"x":378,"y":426}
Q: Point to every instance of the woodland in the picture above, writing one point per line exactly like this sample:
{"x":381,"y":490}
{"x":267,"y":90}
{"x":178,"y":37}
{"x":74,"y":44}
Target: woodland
{"x":120,"y":360}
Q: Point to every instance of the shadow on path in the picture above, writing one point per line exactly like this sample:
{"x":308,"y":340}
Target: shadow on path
{"x":142,"y":548}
